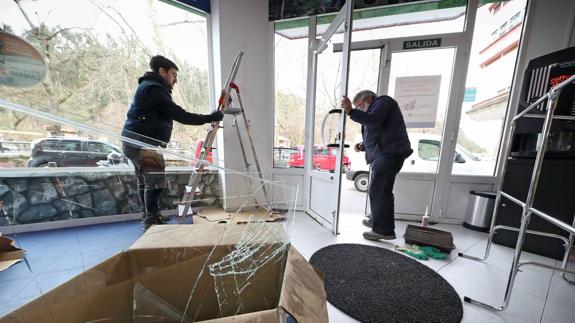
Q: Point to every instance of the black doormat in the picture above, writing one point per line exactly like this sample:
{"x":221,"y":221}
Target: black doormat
{"x":373,"y":284}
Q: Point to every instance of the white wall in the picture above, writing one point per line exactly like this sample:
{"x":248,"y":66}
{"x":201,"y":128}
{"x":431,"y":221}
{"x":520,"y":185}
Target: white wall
{"x":549,"y":26}
{"x":242,"y":25}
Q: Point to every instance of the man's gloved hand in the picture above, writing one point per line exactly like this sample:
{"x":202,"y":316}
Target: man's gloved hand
{"x":216,"y":116}
{"x":346,"y":105}
{"x":359,"y":147}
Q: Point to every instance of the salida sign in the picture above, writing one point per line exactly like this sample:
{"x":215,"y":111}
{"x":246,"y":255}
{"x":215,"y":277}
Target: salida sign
{"x":422,"y":43}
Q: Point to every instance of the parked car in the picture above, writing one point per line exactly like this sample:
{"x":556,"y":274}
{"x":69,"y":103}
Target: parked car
{"x":282,"y":156}
{"x":426,"y":149}
{"x":69,"y":152}
{"x":323,"y":159}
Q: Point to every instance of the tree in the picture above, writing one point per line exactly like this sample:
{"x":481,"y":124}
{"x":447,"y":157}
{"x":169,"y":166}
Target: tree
{"x":290,"y":116}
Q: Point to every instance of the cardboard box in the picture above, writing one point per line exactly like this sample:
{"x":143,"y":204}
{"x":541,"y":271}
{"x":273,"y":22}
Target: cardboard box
{"x":202,"y":272}
{"x":9,"y":254}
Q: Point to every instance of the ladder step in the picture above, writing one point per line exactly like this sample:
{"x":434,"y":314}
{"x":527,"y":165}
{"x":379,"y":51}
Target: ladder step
{"x":191,"y":188}
{"x":181,"y":209}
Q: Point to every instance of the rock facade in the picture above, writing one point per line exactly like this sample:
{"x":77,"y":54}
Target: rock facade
{"x":25,"y":200}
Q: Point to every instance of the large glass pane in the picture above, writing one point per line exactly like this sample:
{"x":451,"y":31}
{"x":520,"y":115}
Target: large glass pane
{"x":492,"y":62}
{"x":95,"y":57}
{"x":290,"y":66}
{"x":363,"y":75}
{"x":422,"y":90}
{"x":328,"y":90}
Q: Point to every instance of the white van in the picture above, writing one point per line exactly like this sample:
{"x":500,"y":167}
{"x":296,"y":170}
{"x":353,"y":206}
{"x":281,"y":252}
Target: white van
{"x":425,"y":157}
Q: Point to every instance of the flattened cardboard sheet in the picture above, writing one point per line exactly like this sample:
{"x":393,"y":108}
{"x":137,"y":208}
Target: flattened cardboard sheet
{"x":9,"y":254}
{"x":303,"y":294}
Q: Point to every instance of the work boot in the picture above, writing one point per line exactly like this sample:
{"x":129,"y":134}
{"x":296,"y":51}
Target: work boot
{"x":154,"y":219}
{"x":163,"y":219}
{"x":153,"y":202}
{"x":368,"y":223}
{"x":370,"y":235}
{"x":150,"y":221}
{"x":152,"y":214}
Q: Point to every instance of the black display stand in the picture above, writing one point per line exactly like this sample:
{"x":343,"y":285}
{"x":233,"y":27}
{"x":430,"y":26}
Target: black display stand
{"x":555,"y":196}
{"x":556,"y":191}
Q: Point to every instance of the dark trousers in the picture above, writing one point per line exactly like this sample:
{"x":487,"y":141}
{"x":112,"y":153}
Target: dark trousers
{"x":383,"y":172}
{"x":150,"y":169}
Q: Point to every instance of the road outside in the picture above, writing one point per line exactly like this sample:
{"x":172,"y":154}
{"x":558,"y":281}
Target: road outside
{"x":352,"y":200}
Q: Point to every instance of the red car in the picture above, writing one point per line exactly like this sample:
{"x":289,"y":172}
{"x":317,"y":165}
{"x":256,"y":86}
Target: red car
{"x":323,"y":159}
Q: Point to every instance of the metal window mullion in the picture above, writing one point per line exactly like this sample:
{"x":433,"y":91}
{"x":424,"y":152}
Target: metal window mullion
{"x":344,"y":83}
{"x":310,"y":110}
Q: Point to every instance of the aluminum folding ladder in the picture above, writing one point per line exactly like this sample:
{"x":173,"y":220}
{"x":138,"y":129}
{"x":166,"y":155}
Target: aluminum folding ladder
{"x":184,"y":206}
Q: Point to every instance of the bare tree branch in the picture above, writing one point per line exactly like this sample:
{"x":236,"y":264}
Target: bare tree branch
{"x":132,"y":29}
{"x":18,"y":120}
{"x":199,"y":22}
{"x":124,"y":32}
{"x":50,"y":37}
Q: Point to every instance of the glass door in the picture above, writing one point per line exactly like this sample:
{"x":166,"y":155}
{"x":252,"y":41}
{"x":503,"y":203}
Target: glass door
{"x":324,"y":150}
{"x":419,"y":75}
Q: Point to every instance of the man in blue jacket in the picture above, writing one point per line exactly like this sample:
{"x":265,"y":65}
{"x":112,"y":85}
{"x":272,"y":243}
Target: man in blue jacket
{"x":386,"y":146}
{"x":150,"y":120}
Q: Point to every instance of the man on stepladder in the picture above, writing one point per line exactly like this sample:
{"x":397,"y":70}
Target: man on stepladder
{"x":150,"y":120}
{"x":386,"y":146}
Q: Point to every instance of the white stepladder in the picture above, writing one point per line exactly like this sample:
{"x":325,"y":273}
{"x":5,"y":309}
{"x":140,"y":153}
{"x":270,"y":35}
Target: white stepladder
{"x":184,"y":206}
{"x":528,"y":210}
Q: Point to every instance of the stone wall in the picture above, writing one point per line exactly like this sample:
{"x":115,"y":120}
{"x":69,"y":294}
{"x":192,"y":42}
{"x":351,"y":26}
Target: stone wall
{"x":55,"y":197}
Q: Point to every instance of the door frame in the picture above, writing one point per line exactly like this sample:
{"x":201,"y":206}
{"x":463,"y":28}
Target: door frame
{"x":332,"y":180}
{"x":441,"y":176}
{"x":461,"y":41}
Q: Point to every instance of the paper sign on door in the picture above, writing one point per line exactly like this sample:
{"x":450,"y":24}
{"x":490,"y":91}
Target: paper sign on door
{"x":418,"y":97}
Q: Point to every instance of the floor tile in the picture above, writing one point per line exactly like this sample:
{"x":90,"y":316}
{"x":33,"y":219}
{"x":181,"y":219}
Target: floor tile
{"x":17,"y":271}
{"x":503,"y":253}
{"x":335,"y":315}
{"x":12,"y":288}
{"x":561,"y":293}
{"x":558,"y":314}
{"x":490,"y":278}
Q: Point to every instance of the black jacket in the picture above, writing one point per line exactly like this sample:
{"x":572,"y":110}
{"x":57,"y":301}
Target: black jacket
{"x":151,"y":115}
{"x":383,"y":129}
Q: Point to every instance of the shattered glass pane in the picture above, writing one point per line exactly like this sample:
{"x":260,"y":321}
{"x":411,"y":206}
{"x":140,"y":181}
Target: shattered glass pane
{"x":230,"y":262}
{"x":260,"y":244}
{"x":148,"y":305}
